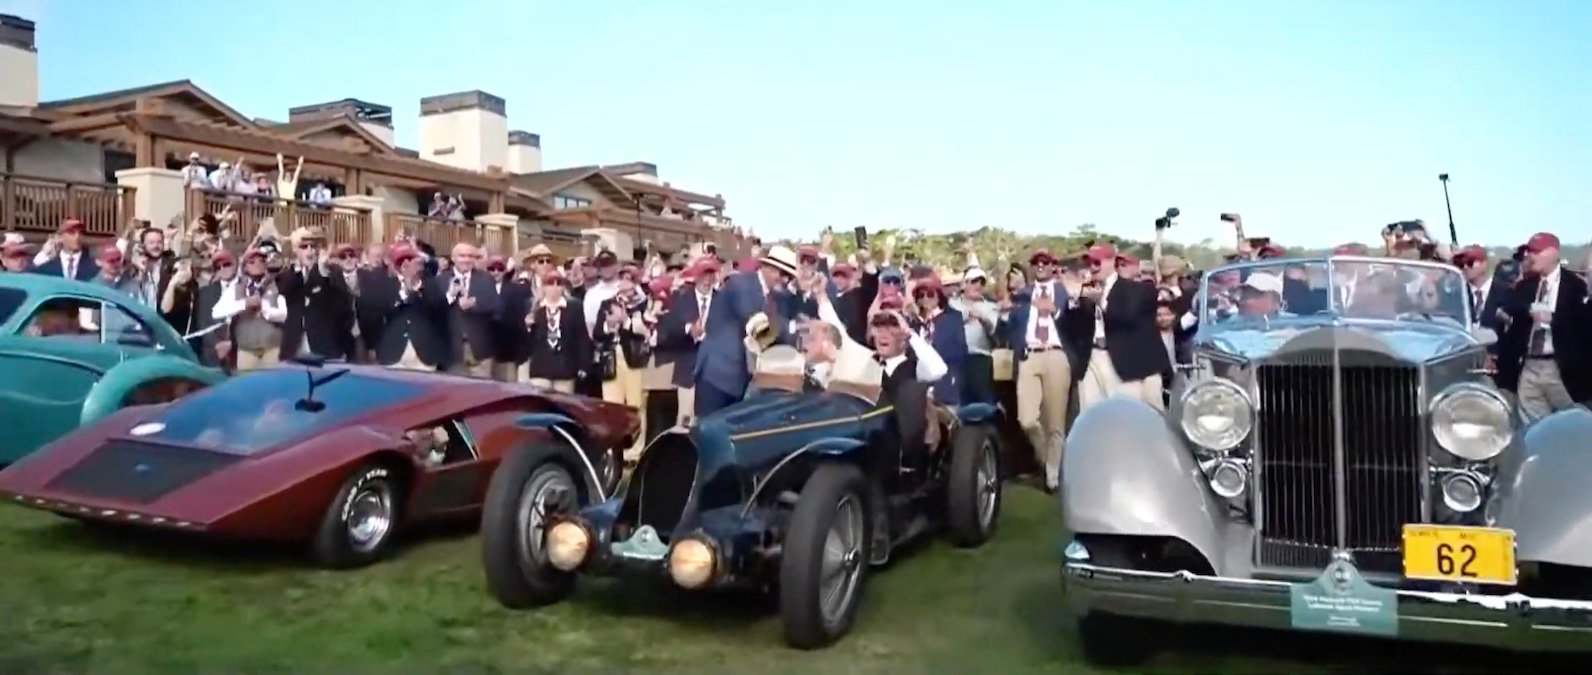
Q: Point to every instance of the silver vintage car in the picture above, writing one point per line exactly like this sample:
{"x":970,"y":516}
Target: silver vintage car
{"x":1335,"y":459}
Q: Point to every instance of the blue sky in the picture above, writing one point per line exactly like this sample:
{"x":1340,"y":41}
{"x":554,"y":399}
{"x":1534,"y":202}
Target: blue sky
{"x":1318,"y":121}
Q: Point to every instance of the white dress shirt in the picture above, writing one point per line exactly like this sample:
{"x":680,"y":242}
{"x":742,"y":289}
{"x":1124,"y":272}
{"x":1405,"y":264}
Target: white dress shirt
{"x":193,"y":176}
{"x":1100,"y":307}
{"x":704,"y":303}
{"x":273,"y":307}
{"x":1048,"y":288}
{"x":1548,"y":294}
{"x":978,"y":332}
{"x":320,"y":194}
{"x":599,"y":293}
{"x":855,"y":362}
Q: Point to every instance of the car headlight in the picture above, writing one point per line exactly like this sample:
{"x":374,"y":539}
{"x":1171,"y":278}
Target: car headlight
{"x":1217,"y":414}
{"x":1472,"y":422}
{"x":567,"y":546}
{"x":691,"y":563}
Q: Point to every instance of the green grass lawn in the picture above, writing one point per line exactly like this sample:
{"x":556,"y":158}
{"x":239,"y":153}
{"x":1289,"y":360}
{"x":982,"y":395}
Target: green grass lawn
{"x":74,"y":599}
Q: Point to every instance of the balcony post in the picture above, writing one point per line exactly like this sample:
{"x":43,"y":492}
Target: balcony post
{"x":158,"y":195}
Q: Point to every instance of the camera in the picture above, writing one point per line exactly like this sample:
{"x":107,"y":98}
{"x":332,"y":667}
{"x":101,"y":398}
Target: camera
{"x":1166,"y":221}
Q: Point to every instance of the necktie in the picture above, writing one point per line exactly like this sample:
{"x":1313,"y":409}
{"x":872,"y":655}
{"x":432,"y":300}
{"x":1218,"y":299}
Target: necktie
{"x":1539,"y":331}
{"x":1475,"y":303}
{"x":1042,"y":331}
{"x":769,"y":307}
{"x":71,"y":266}
{"x":552,"y":327}
{"x":702,"y":311}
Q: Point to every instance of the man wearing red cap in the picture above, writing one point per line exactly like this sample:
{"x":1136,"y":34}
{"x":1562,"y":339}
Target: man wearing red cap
{"x":405,"y":312}
{"x":1037,"y":333}
{"x":1485,"y":292}
{"x":1125,"y":356}
{"x":1549,"y":316}
{"x":683,"y":327}
{"x":514,"y":301}
{"x":63,"y":254}
{"x":255,"y":311}
{"x":217,"y":343}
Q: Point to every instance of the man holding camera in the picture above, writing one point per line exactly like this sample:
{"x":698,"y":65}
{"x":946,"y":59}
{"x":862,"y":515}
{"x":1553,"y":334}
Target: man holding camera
{"x":472,"y":307}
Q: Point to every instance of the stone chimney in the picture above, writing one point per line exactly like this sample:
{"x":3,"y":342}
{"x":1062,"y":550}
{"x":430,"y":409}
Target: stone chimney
{"x":373,"y":117}
{"x":19,"y":64}
{"x":525,"y":152}
{"x":468,"y":130}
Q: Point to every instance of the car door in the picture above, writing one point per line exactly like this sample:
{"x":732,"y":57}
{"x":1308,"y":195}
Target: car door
{"x":49,"y":374}
{"x":454,"y":484}
{"x":125,"y":333}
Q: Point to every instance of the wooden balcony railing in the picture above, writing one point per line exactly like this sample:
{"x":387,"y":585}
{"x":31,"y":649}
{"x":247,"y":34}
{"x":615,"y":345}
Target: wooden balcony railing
{"x":444,"y":234}
{"x":342,"y":224}
{"x":32,"y":204}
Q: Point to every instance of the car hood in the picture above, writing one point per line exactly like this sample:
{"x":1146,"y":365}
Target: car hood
{"x":766,"y":426}
{"x":123,"y":477}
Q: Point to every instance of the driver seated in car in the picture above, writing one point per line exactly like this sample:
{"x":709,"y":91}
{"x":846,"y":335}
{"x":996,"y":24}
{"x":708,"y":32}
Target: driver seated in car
{"x":431,"y":445}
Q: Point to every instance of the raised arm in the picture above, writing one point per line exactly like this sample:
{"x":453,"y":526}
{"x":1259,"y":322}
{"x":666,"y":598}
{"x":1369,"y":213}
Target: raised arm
{"x":930,"y":366}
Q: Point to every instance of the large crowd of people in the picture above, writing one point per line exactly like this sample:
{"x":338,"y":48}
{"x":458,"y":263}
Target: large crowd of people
{"x":1086,"y":324}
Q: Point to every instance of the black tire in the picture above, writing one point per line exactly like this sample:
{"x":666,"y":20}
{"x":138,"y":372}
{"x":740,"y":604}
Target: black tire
{"x":517,"y":570}
{"x":973,"y":486}
{"x":359,"y":524}
{"x":833,"y":488}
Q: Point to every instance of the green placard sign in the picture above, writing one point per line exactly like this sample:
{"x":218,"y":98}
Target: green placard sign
{"x":1342,"y":601}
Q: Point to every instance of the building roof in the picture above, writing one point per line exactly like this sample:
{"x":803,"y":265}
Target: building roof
{"x":550,"y":182}
{"x":87,"y":105}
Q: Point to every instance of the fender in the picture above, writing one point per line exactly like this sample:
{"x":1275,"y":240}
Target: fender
{"x":830,"y":447}
{"x":1125,"y":472}
{"x":560,"y":426}
{"x":976,"y":413}
{"x":1542,"y":491}
{"x":112,"y":389}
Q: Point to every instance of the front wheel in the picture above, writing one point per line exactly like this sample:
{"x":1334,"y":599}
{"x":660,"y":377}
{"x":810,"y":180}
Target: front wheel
{"x":358,"y":526}
{"x":527,"y":487}
{"x":825,"y":557}
{"x":973,"y":487}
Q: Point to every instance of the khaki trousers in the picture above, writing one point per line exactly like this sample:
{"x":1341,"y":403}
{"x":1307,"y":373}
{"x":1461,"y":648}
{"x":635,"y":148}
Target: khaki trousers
{"x":471,"y":365}
{"x":506,"y":371}
{"x":1044,"y":381}
{"x":625,"y":389}
{"x":1100,"y":382}
{"x":1541,"y":389}
{"x":257,"y":358}
{"x":563,"y":386}
{"x":687,"y":398}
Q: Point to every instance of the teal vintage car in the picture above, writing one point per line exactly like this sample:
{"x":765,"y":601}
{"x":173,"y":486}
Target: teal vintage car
{"x":72,"y":352}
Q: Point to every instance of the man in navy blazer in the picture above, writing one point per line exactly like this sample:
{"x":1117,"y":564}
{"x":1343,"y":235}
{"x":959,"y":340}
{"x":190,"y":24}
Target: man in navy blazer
{"x":681,"y":330}
{"x":1042,"y":356}
{"x":1487,"y":294}
{"x":722,"y":372}
{"x":72,"y":259}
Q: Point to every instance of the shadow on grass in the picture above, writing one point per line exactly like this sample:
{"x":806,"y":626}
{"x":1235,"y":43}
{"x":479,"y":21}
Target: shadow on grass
{"x":204,"y":552}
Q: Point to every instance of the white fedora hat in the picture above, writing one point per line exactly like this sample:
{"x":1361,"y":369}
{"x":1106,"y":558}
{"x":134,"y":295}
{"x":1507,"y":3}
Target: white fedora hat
{"x":780,"y":258}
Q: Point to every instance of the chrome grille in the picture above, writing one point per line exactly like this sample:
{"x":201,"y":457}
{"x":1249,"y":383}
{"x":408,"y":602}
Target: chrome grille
{"x":1308,"y":504}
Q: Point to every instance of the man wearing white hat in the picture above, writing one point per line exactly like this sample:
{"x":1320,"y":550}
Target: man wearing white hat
{"x":721,"y":371}
{"x":979,"y":318}
{"x":193,"y":175}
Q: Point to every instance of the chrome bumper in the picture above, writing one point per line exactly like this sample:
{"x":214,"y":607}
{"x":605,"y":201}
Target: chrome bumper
{"x":1515,"y":621}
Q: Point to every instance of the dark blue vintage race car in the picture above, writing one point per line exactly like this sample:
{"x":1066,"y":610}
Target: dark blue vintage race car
{"x":781,"y":492}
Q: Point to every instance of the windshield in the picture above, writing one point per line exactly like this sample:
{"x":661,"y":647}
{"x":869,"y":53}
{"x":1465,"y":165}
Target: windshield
{"x":1354,"y":288}
{"x":256,"y":411}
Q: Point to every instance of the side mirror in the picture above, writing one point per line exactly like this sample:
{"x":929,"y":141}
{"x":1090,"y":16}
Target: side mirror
{"x":1486,"y":336}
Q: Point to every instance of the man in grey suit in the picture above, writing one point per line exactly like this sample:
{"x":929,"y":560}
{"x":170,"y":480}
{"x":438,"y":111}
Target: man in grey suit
{"x":472,"y":307}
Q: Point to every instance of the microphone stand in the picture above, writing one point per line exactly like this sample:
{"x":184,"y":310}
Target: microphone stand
{"x":1453,"y":234}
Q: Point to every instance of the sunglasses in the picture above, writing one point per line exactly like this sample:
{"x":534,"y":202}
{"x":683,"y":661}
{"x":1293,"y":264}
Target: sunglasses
{"x":497,"y":269}
{"x":806,"y":260}
{"x":223,"y":265}
{"x":892,"y":281}
{"x":923,"y":294}
{"x":349,"y":256}
{"x":543,"y":260}
{"x":308,"y":246}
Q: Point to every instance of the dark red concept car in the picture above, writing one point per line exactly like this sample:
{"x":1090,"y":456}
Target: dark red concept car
{"x":339,"y":457}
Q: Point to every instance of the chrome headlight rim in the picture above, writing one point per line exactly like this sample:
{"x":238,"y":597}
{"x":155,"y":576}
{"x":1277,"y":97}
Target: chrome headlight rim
{"x":1471,"y":389}
{"x":1193,"y":434}
{"x":706,"y":576}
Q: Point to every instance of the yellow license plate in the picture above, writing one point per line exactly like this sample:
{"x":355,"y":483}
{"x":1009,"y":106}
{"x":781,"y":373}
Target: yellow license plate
{"x":1481,"y":555}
